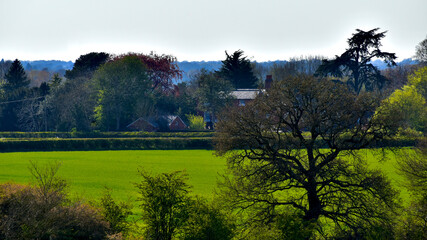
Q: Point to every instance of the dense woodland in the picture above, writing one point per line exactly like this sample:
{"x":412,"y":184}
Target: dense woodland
{"x":294,"y":168}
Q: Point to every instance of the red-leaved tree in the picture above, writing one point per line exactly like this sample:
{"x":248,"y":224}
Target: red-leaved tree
{"x":161,"y":69}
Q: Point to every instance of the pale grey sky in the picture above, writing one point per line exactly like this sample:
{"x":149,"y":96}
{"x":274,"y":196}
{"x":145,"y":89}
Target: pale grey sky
{"x":204,"y":29}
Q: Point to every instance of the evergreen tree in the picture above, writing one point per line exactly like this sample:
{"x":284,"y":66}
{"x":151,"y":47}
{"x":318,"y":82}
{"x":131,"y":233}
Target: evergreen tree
{"x":16,"y":79}
{"x":238,"y":70}
{"x":355,"y":63}
{"x":15,"y":89}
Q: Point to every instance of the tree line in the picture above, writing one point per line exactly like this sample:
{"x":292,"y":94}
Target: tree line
{"x":106,"y":92}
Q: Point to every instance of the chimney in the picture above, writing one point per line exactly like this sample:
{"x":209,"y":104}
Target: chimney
{"x":268,"y":81}
{"x":176,"y":90}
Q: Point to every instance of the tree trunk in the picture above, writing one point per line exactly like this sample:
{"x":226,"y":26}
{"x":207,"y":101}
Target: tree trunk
{"x":314,"y":204}
{"x":117,"y":123}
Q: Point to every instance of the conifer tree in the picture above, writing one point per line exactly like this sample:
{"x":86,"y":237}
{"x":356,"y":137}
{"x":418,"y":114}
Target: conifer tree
{"x":238,"y":70}
{"x":354,"y":66}
{"x":16,"y":79}
{"x":15,"y":89}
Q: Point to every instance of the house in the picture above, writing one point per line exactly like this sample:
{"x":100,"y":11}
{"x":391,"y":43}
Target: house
{"x":142,"y":124}
{"x":175,"y":123}
{"x":241,"y":97}
{"x":244,"y":96}
{"x":154,"y":124}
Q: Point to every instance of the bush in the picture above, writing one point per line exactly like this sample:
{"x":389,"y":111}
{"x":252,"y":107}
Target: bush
{"x":42,"y":211}
{"x":115,"y":214}
{"x":205,"y":221}
{"x":196,"y":122}
{"x":169,"y":212}
{"x":164,"y":203}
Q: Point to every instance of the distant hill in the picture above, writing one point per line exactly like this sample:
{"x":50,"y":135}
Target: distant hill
{"x":382,"y":65}
{"x":50,"y":65}
{"x":188,"y":68}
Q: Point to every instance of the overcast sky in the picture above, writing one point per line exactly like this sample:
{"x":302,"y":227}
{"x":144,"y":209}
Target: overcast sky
{"x":196,"y":30}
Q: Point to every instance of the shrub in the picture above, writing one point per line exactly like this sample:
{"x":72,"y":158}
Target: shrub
{"x":196,"y":122}
{"x":206,"y":221}
{"x":169,"y":212}
{"x":115,"y":214}
{"x":25,"y":214}
{"x":164,"y":203}
{"x":42,"y":211}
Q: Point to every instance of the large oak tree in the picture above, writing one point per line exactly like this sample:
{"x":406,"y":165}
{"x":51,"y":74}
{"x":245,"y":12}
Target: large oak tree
{"x":288,"y":152}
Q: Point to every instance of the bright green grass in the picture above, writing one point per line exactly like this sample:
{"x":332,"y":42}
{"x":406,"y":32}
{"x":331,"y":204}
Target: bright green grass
{"x":387,"y":163}
{"x":90,"y":171}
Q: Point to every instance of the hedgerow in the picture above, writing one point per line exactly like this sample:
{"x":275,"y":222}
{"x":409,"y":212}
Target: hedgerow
{"x":91,"y":144}
{"x":97,"y":134}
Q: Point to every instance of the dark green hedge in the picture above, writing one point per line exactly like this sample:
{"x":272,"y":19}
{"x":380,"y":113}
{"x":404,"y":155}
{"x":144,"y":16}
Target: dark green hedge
{"x":105,"y":144}
{"x":396,"y":142}
{"x":105,"y":134}
{"x":141,"y":143}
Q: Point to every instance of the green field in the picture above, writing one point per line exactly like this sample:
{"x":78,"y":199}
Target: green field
{"x":88,"y":172}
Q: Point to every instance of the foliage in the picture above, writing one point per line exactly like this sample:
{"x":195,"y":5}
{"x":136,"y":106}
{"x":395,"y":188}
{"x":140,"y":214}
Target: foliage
{"x":238,"y":70}
{"x":281,"y":170}
{"x":16,"y":79}
{"x":70,"y":105}
{"x":122,"y":86}
{"x":4,"y":67}
{"x":55,"y":81}
{"x":398,"y":75}
{"x":213,"y":93}
{"x":186,"y":99}
{"x":413,"y":167}
{"x":421,"y":51}
{"x":407,"y":107}
{"x":44,"y":212}
{"x":303,"y":65}
{"x":161,"y":69}
{"x":47,"y":182}
{"x":105,"y":144}
{"x":97,"y":134}
{"x":419,"y":81}
{"x":115,"y":214}
{"x":164,"y":202}
{"x":355,"y":62}
{"x":15,"y":90}
{"x":87,"y":64}
{"x":196,"y":122}
{"x":206,"y":221}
